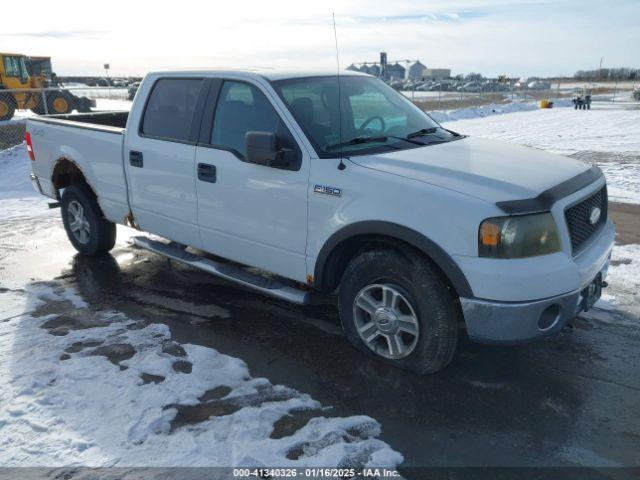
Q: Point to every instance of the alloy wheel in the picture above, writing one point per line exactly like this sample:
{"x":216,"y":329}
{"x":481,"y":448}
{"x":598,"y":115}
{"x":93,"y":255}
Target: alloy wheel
{"x":386,"y":321}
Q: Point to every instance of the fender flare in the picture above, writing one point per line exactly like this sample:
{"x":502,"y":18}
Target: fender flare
{"x":419,"y":241}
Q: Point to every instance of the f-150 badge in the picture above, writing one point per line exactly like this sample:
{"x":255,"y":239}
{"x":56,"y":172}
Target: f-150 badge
{"x":327,"y":190}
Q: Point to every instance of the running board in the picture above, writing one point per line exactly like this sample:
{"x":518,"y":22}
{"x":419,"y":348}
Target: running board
{"x":232,"y":273}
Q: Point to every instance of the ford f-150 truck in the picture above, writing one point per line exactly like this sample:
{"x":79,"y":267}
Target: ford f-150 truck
{"x":288,"y":183}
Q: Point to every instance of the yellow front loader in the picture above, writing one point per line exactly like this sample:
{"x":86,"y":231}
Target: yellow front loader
{"x":14,"y":75}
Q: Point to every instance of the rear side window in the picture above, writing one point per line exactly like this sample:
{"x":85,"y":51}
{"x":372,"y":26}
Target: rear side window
{"x":170,"y":108}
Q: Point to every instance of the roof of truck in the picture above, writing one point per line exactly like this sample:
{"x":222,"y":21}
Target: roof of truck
{"x":269,"y":74}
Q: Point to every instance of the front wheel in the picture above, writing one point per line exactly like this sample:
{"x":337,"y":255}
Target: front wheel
{"x":7,"y":106}
{"x":88,"y":231}
{"x":394,"y":306}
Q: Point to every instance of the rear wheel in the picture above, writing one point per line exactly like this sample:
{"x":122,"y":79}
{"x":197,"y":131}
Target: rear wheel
{"x":394,"y":306}
{"x":83,"y":104}
{"x":89,"y":232}
{"x":7,"y":106}
{"x":59,"y":103}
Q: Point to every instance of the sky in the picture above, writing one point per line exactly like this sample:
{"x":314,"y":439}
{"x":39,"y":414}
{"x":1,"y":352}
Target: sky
{"x":494,"y":37}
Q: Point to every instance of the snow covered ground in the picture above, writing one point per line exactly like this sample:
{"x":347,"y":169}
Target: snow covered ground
{"x":87,"y":387}
{"x":607,"y":135}
{"x":96,"y":388}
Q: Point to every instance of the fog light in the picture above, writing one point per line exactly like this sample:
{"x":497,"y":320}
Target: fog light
{"x":549,"y":317}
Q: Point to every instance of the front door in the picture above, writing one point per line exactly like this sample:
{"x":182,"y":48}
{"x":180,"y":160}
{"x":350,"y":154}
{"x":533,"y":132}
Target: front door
{"x":160,"y":160}
{"x":253,"y":214}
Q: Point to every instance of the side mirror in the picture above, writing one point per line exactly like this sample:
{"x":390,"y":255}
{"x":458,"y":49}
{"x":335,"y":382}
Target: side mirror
{"x":262,"y":150}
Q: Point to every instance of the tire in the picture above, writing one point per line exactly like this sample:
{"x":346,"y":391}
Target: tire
{"x":425,"y":343}
{"x":59,"y":103}
{"x":7,"y":106}
{"x":38,"y":109}
{"x":83,"y":104}
{"x":95,"y":235}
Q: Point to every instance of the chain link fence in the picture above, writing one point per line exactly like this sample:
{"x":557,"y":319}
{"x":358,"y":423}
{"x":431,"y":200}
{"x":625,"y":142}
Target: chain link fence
{"x":449,"y":95}
{"x":16,"y":105}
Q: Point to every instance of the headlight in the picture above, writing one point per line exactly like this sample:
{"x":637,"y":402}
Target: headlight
{"x":518,"y":236}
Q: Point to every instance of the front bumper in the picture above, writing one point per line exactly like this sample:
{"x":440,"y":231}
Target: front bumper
{"x":517,"y":322}
{"x":490,"y":321}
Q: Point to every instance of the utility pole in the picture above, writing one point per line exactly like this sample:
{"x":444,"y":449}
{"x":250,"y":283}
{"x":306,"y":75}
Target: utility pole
{"x":600,"y":70}
{"x":106,"y":69}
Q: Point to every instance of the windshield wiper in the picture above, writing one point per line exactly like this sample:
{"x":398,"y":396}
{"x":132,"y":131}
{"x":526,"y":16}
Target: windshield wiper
{"x":422,"y":132}
{"x":357,"y":141}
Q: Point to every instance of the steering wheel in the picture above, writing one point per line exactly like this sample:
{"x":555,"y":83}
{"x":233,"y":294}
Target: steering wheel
{"x":365,"y":124}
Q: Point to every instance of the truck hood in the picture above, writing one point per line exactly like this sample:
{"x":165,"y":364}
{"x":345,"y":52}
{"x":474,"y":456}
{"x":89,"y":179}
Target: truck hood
{"x":486,"y":169}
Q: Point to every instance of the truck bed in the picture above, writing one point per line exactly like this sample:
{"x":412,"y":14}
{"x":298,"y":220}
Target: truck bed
{"x":115,"y":121}
{"x":91,"y":141}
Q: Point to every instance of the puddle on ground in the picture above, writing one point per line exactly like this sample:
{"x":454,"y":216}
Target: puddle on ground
{"x":150,"y":378}
{"x":215,"y":394}
{"x":115,"y":353}
{"x":289,"y":424}
{"x":219,"y":407}
{"x":79,"y":346}
{"x":62,"y":324}
{"x":173,"y":348}
{"x":182,"y":366}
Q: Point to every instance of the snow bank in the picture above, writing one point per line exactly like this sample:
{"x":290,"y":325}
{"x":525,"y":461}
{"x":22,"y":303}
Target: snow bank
{"x":96,"y":388}
{"x":14,"y":173}
{"x":491,"y":109}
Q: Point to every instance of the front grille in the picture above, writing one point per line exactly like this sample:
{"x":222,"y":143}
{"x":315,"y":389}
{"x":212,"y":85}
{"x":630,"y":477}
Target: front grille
{"x":578,"y":218}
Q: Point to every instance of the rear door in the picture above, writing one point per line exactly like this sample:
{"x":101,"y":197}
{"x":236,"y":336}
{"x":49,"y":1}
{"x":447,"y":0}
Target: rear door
{"x":253,"y":214}
{"x":160,"y":159}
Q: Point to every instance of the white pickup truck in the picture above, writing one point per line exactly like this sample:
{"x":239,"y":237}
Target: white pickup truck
{"x":337,"y":183}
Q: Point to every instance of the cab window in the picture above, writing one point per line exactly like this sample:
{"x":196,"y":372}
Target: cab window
{"x":15,"y":67}
{"x":170,"y":109}
{"x":243,"y":108}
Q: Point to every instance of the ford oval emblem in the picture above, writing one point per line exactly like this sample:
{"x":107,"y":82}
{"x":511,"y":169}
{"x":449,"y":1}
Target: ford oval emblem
{"x":594,"y":215}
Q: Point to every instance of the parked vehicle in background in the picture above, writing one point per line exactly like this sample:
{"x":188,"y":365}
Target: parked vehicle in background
{"x":636,"y":94}
{"x":539,"y":85}
{"x":582,"y":101}
{"x":471,"y":87}
{"x":350,"y":191}
{"x":102,"y":82}
{"x":15,"y":76}
{"x":132,"y":90}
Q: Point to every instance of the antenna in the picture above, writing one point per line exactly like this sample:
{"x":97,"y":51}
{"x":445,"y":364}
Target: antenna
{"x":341,"y":166}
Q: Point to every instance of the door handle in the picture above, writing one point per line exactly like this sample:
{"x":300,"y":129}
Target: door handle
{"x":207,"y":173}
{"x":135,"y":159}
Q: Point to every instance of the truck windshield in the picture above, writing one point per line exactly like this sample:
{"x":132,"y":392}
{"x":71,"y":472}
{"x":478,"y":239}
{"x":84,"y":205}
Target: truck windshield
{"x":372,"y":117}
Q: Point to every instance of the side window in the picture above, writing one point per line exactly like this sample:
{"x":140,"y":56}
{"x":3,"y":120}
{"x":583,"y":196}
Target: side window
{"x":11,"y":67}
{"x":170,"y":108}
{"x":243,"y":108}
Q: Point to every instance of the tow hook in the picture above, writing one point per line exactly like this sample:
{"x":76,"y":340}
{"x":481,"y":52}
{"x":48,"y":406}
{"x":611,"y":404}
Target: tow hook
{"x":54,"y":204}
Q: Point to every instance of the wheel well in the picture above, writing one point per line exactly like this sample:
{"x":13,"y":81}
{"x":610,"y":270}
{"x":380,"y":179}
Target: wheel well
{"x":66,"y":173}
{"x":341,"y":255}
